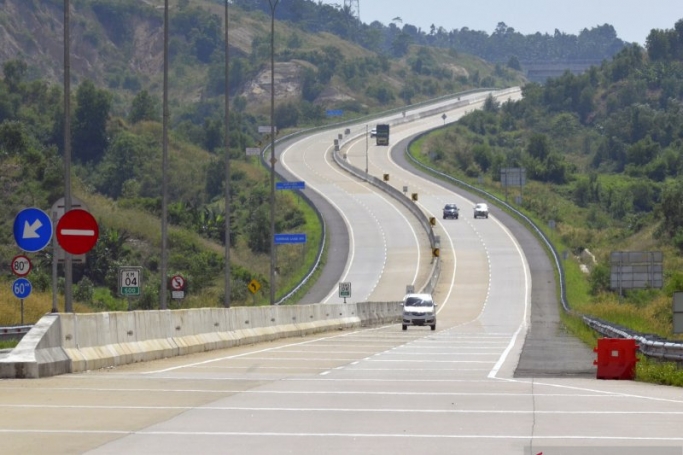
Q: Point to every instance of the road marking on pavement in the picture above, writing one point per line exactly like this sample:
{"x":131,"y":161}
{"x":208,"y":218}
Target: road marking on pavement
{"x":345,"y":435}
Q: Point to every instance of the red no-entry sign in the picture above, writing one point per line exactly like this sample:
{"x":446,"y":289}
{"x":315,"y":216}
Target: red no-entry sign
{"x":77,"y":231}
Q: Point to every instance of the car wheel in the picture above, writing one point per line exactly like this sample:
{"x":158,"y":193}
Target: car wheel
{"x":433,"y":326}
{"x":405,"y":327}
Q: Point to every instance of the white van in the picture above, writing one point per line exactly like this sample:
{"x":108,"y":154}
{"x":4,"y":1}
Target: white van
{"x":419,"y":309}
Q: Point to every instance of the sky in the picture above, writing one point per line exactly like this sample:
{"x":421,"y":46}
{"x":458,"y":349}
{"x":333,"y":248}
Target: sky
{"x":632,"y":19}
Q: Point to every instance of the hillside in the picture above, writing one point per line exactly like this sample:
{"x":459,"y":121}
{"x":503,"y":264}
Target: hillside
{"x":118,"y":44}
{"x":603,"y":159}
{"x":117,"y":135}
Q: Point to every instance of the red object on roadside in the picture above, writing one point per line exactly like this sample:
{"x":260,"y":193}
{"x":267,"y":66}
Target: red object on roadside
{"x":616,"y":358}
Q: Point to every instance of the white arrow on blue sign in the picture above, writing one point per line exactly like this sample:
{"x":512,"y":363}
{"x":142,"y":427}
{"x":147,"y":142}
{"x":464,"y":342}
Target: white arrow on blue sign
{"x":21,"y":288}
{"x":32,"y":229}
{"x":281,"y":239}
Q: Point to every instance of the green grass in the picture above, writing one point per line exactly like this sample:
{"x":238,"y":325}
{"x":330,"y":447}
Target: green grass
{"x":9,"y":344}
{"x":657,"y":372}
{"x":642,"y":312}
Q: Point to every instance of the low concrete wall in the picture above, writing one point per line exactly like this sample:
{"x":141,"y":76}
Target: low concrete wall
{"x":71,"y":343}
{"x":38,"y":354}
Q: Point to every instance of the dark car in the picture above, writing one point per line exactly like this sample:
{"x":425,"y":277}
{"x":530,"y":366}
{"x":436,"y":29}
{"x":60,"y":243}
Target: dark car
{"x":451,"y":211}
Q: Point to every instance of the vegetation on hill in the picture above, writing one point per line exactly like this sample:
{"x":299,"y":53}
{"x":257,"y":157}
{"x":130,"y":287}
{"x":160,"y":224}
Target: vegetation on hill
{"x":603,"y":154}
{"x":504,"y":44}
{"x":117,"y":135}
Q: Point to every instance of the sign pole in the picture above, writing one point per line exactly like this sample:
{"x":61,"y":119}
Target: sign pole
{"x":22,"y":311}
{"x":55,"y":309}
{"x":68,"y":271}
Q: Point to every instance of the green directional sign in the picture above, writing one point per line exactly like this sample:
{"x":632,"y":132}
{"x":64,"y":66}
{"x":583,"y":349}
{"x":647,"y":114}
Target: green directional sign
{"x":345,"y":289}
{"x":130,"y":281}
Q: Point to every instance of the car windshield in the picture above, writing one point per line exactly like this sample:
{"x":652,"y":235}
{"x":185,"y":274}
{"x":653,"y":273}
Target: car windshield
{"x":417,"y":301}
{"x":451,"y":206}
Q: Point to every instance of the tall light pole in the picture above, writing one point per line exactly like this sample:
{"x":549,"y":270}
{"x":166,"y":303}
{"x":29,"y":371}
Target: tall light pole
{"x":273,"y":5}
{"x":164,"y":172}
{"x":226,"y":300}
{"x":68,"y":270}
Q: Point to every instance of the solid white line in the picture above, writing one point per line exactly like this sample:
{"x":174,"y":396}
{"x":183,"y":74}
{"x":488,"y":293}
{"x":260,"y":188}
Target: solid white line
{"x":527,"y":303}
{"x":342,"y":410}
{"x":78,"y":232}
{"x":320,"y":392}
{"x":247,"y":353}
{"x":587,"y":389}
{"x":344,"y":435}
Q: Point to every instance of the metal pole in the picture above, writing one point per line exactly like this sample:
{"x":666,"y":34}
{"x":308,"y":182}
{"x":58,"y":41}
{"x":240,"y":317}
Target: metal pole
{"x":68,"y":271}
{"x":164,"y":171}
{"x":366,"y":149}
{"x":22,"y":311}
{"x":273,"y":5}
{"x":226,"y":301}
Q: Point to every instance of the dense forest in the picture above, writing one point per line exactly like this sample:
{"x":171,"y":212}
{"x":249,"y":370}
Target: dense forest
{"x":603,"y":154}
{"x":502,"y":45}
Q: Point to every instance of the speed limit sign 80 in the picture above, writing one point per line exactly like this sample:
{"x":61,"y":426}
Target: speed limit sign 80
{"x":21,"y":265}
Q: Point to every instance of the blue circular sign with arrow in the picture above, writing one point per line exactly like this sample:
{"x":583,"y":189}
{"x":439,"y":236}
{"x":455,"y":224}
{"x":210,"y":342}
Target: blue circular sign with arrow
{"x":21,"y":288}
{"x":32,"y":229}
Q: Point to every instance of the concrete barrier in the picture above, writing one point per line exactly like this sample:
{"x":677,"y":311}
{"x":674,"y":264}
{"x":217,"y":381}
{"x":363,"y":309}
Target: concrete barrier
{"x":39,"y":353}
{"x":71,"y":343}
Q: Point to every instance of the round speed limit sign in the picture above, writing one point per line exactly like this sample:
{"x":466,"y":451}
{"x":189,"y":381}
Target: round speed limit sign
{"x":21,"y":265}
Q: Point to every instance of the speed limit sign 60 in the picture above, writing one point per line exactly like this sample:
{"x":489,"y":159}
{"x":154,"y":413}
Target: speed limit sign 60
{"x":21,"y":265}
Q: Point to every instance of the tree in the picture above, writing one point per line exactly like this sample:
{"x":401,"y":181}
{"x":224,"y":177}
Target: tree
{"x":144,"y":107}
{"x":125,"y":156}
{"x":14,"y":71}
{"x":286,"y":115}
{"x":539,"y":147}
{"x":401,"y":44}
{"x":90,"y":123}
{"x":671,"y":207}
{"x":491,"y":105}
{"x":513,"y":63}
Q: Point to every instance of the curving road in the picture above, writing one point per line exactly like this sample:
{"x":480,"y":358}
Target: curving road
{"x":370,"y":391}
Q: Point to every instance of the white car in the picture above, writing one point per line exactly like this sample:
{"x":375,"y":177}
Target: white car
{"x":419,"y":309}
{"x":373,"y":132}
{"x":481,"y":210}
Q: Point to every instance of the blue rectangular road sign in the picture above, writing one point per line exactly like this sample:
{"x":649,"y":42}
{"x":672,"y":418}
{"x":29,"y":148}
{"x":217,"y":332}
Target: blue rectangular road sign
{"x":335,"y":113}
{"x":281,"y":239}
{"x":290,"y":185}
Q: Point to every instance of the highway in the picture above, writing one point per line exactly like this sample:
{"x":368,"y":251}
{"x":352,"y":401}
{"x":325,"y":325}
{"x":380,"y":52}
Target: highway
{"x":376,"y":390}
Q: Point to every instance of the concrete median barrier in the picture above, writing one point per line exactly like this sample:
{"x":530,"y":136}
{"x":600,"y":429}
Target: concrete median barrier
{"x":71,"y":343}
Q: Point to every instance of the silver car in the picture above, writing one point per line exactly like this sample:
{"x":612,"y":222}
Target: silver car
{"x":481,"y":210}
{"x":419,"y":309}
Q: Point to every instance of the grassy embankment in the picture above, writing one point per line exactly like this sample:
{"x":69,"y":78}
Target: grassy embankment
{"x":646,"y":312}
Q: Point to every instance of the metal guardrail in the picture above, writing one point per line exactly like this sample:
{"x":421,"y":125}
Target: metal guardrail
{"x":649,"y":345}
{"x":15,"y":332}
{"x":400,"y":197}
{"x":266,"y":164}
